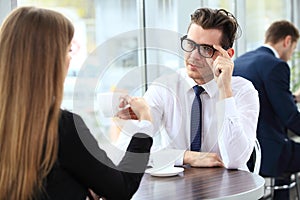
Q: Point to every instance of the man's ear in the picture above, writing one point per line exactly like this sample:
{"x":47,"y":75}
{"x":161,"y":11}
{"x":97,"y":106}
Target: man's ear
{"x":230,"y":52}
{"x":287,"y":41}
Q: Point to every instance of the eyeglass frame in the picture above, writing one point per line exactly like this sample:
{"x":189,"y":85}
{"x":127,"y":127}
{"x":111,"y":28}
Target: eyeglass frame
{"x":197,"y":46}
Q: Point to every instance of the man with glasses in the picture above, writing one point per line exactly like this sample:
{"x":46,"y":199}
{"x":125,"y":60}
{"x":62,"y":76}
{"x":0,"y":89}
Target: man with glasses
{"x":223,"y":131}
{"x":269,"y":72}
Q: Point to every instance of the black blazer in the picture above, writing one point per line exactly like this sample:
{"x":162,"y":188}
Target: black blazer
{"x":278,"y":111}
{"x":82,"y":164}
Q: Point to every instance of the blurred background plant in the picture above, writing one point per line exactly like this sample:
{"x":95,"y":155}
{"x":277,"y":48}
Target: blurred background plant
{"x":295,"y":71}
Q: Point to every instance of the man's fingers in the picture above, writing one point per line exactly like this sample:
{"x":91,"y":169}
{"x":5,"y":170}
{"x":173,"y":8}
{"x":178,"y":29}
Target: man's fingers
{"x":126,"y":114}
{"x":222,"y":51}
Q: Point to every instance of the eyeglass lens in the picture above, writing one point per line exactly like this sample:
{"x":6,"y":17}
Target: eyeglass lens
{"x":204,"y":50}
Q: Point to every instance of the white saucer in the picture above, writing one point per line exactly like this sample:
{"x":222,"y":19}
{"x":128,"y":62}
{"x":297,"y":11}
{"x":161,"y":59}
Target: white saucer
{"x":170,"y":171}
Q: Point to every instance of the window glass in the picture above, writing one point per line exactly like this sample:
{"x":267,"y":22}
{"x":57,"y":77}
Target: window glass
{"x":119,"y":45}
{"x":125,"y":44}
{"x":259,"y":15}
{"x":254,"y":17}
{"x":166,"y":21}
{"x":225,"y":4}
{"x":104,"y":52}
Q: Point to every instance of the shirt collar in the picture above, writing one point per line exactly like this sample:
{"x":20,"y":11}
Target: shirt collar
{"x":210,"y":87}
{"x":272,"y":49}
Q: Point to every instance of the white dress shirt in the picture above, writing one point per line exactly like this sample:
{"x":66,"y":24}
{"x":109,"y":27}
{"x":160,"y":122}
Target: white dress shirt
{"x":228,"y":126}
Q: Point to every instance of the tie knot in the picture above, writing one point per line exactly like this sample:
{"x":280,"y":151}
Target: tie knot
{"x":198,"y":90}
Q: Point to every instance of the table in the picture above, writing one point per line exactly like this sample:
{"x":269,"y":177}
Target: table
{"x":202,"y":183}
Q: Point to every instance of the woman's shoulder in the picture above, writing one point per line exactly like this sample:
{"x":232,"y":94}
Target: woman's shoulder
{"x":68,"y":121}
{"x":68,"y":116}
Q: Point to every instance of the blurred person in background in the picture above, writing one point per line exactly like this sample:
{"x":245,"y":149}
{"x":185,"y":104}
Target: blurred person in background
{"x":268,"y":70}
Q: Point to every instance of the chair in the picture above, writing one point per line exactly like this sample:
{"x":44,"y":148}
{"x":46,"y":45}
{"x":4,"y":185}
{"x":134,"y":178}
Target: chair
{"x":255,"y":159}
{"x":254,"y":166}
{"x":272,"y":187}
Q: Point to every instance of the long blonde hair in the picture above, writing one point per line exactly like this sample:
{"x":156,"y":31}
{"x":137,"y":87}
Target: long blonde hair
{"x":33,"y":50}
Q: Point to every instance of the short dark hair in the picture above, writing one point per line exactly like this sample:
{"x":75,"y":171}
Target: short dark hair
{"x":278,"y":30}
{"x":217,"y":19}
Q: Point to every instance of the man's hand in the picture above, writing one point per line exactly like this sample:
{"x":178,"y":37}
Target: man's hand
{"x":202,"y":159}
{"x":297,"y":96}
{"x":126,"y":111}
{"x":134,"y":108}
{"x":222,"y":68}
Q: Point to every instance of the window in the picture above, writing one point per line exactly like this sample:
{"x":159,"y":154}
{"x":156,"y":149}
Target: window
{"x":125,"y":44}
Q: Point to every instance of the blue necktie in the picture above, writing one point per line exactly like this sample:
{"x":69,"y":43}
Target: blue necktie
{"x":196,"y":119}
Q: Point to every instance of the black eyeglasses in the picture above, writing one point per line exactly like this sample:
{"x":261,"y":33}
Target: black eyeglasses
{"x":204,"y":50}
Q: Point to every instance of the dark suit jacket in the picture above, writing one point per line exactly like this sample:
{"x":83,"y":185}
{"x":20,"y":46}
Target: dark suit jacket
{"x":278,"y":111}
{"x":82,"y":164}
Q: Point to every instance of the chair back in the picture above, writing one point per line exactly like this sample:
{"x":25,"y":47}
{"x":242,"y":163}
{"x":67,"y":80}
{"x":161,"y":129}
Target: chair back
{"x":254,"y":162}
{"x":257,"y":157}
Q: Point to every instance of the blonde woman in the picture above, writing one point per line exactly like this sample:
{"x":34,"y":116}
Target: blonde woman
{"x":42,"y":155}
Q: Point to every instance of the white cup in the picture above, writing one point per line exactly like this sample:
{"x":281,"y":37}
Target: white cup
{"x":166,"y":168}
{"x":164,"y":159}
{"x":108,"y":103}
